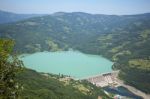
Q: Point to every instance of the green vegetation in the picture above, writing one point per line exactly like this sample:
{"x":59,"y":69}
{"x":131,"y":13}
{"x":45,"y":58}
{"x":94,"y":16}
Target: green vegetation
{"x":48,"y":86}
{"x":52,"y":46}
{"x":140,"y":64}
{"x":9,"y":87}
{"x":123,"y":39}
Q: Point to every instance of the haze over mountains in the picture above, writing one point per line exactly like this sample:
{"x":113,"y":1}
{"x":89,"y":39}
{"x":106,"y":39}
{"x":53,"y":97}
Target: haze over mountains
{"x":7,"y":17}
{"x":123,"y":39}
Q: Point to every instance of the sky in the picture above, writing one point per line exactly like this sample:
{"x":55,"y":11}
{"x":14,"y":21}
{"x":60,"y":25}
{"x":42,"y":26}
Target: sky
{"x":117,"y":7}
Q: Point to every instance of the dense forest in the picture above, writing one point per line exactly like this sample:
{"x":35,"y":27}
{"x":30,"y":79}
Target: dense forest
{"x":122,"y":39}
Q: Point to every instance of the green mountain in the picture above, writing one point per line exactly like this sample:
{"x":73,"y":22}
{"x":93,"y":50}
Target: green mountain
{"x":8,"y":17}
{"x":123,"y":39}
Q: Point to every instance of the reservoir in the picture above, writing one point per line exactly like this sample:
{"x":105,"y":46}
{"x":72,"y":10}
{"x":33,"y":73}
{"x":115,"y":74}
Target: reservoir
{"x":72,"y":63}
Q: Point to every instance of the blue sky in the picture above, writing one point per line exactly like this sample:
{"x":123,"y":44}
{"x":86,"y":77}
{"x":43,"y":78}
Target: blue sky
{"x":119,"y":7}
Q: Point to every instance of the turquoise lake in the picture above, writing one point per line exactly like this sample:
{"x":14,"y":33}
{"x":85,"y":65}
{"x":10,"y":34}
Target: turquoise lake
{"x":73,"y":63}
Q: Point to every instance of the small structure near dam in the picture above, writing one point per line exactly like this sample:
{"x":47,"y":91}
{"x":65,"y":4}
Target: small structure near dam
{"x":106,"y":79}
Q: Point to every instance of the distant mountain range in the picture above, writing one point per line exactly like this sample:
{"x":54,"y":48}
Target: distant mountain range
{"x":8,"y":17}
{"x":123,"y":39}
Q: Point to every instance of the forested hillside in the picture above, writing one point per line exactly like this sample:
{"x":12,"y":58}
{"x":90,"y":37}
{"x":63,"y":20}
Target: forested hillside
{"x":49,"y":86}
{"x":123,"y":39}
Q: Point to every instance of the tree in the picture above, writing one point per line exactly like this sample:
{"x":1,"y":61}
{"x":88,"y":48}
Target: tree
{"x":9,"y":67}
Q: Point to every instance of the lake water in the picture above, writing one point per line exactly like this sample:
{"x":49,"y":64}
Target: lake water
{"x":73,"y":63}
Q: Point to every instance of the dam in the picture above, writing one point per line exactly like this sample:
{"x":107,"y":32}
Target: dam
{"x":105,"y":79}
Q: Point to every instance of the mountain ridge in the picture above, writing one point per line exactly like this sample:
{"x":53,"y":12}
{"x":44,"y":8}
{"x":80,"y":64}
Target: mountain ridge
{"x":8,"y":17}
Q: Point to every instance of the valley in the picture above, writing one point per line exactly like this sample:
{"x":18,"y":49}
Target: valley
{"x":122,"y":39}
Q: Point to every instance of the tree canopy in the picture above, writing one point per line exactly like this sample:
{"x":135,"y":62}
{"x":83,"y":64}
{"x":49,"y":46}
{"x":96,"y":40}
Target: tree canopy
{"x":9,"y":66}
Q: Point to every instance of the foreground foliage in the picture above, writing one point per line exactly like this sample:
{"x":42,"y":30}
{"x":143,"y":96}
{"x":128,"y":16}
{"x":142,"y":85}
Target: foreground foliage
{"x":9,"y":87}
